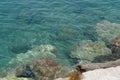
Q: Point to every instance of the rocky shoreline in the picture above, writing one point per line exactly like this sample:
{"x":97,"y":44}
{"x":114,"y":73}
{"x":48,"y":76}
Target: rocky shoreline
{"x":99,"y":58}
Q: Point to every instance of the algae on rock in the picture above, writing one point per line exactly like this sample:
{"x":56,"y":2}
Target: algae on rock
{"x":87,"y":50}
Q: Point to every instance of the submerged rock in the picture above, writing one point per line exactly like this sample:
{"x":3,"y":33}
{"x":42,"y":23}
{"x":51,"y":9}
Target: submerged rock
{"x":104,"y":58}
{"x":37,"y":52}
{"x":114,"y":45}
{"x":40,"y":69}
{"x":46,"y":48}
{"x":87,"y":50}
{"x":30,"y":16}
{"x":108,"y":31}
{"x":67,"y":34}
{"x":13,"y":77}
{"x":62,"y":79}
{"x":20,"y":48}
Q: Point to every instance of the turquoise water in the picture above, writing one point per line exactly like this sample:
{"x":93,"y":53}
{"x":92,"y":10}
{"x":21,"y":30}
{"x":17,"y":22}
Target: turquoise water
{"x":25,"y":24}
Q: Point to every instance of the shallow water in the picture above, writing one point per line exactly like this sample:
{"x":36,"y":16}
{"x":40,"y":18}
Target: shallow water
{"x":25,"y":24}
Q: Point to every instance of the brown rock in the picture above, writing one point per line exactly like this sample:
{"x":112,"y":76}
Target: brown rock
{"x":114,"y":45}
{"x":74,"y":75}
{"x":40,"y":69}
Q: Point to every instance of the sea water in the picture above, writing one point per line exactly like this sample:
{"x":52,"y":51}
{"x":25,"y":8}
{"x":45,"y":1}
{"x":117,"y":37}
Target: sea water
{"x":25,"y":24}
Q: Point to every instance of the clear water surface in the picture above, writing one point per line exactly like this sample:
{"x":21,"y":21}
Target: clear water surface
{"x":62,"y":23}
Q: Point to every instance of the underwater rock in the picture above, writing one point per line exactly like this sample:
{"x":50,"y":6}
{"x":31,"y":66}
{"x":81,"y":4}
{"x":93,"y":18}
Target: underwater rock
{"x":62,"y":79}
{"x":89,"y":34}
{"x":114,"y":45}
{"x":107,"y":31}
{"x":67,"y":34}
{"x":87,"y":50}
{"x":20,"y":48}
{"x":24,"y":71}
{"x":30,"y":16}
{"x":109,"y":57}
{"x":46,"y":48}
{"x":13,"y":77}
{"x":41,"y":69}
{"x":117,"y":41}
{"x":37,"y":52}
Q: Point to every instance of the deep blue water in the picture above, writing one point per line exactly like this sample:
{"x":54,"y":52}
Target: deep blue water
{"x":28,"y":23}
